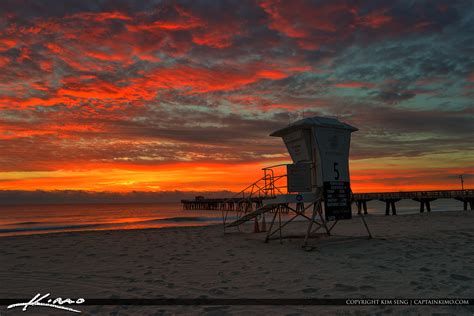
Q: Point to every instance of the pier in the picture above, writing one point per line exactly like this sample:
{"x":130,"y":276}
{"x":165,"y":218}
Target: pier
{"x":230,"y":204}
{"x":423,"y":197}
{"x":223,"y":204}
{"x":250,"y":204}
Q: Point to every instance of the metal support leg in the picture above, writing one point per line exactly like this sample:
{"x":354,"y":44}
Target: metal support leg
{"x":332,"y":226}
{"x":311,"y":224}
{"x":224,"y":217}
{"x":320,"y":212}
{"x":284,"y":224}
{"x":271,"y":226}
{"x":238,"y":216}
{"x":366,"y":227}
{"x":279,"y":222}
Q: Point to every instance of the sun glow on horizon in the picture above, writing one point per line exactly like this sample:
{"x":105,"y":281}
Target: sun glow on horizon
{"x":367,"y":175}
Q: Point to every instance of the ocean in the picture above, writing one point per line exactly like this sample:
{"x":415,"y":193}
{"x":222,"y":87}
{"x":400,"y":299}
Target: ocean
{"x":41,"y":219}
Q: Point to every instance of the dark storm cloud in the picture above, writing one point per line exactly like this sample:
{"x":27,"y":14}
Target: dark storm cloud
{"x":393,"y":97}
{"x":391,"y":132}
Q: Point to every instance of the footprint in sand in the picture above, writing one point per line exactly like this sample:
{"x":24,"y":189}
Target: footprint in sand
{"x":216,"y":291}
{"x":24,"y":257}
{"x":366,"y":288}
{"x":215,"y":310}
{"x":274,"y":291}
{"x":96,"y":310}
{"x":310,"y":290}
{"x":460,"y":277}
{"x":345,"y":288}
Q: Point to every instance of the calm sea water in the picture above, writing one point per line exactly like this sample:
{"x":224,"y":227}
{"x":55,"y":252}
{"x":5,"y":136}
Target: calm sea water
{"x":40,"y":219}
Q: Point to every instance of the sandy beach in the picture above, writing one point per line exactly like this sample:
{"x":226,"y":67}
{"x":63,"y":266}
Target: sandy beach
{"x":428,"y":255}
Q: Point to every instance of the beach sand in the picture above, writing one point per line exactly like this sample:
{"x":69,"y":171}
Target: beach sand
{"x":428,"y":255}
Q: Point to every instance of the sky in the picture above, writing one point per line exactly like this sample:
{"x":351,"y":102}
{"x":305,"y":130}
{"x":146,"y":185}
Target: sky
{"x":182,"y":95}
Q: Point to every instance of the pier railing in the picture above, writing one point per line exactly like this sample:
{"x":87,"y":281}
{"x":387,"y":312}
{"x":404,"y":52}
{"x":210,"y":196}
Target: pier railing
{"x":436,"y":194}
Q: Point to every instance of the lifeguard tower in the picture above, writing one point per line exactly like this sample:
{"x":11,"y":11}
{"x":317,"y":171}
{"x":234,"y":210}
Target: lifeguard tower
{"x":319,"y":150}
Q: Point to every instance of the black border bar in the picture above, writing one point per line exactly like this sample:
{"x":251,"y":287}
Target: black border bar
{"x":258,"y":301}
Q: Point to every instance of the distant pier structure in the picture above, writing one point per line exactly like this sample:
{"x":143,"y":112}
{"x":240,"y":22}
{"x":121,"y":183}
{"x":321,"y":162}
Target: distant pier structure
{"x":250,"y":204}
{"x":220,"y":204}
{"x":229,"y":204}
{"x":423,"y":197}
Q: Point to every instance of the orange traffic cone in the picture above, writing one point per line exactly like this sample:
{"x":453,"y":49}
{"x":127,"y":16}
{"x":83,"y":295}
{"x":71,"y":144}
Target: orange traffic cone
{"x":255,"y":226}
{"x":264,"y":225}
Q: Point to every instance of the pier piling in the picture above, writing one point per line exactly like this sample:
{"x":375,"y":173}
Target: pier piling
{"x":424,"y":202}
{"x":390,"y":204}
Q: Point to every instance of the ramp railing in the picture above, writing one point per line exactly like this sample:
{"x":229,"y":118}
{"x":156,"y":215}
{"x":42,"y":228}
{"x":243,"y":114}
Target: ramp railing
{"x":266,"y":187}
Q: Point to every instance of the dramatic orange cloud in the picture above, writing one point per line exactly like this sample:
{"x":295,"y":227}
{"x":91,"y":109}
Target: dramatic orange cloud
{"x":374,"y":19}
{"x":354,"y":85}
{"x":138,"y":95}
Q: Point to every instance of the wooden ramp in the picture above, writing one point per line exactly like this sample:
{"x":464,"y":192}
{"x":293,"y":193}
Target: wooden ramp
{"x":245,"y":218}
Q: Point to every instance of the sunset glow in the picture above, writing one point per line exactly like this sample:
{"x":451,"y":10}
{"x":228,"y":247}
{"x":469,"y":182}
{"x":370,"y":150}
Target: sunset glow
{"x":182,"y":95}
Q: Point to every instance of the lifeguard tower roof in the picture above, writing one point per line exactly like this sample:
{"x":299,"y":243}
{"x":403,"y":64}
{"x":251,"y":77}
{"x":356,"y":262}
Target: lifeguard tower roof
{"x":311,"y":122}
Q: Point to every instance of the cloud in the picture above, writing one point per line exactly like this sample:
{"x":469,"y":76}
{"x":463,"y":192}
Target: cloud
{"x":354,"y":84}
{"x":135,"y":84}
{"x":393,"y":96}
{"x":12,"y":197}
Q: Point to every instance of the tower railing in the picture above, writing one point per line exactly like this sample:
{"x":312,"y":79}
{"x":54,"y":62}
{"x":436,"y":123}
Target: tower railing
{"x":266,"y":187}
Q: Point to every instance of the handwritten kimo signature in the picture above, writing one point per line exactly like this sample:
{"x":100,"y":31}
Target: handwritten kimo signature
{"x":44,"y":301}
